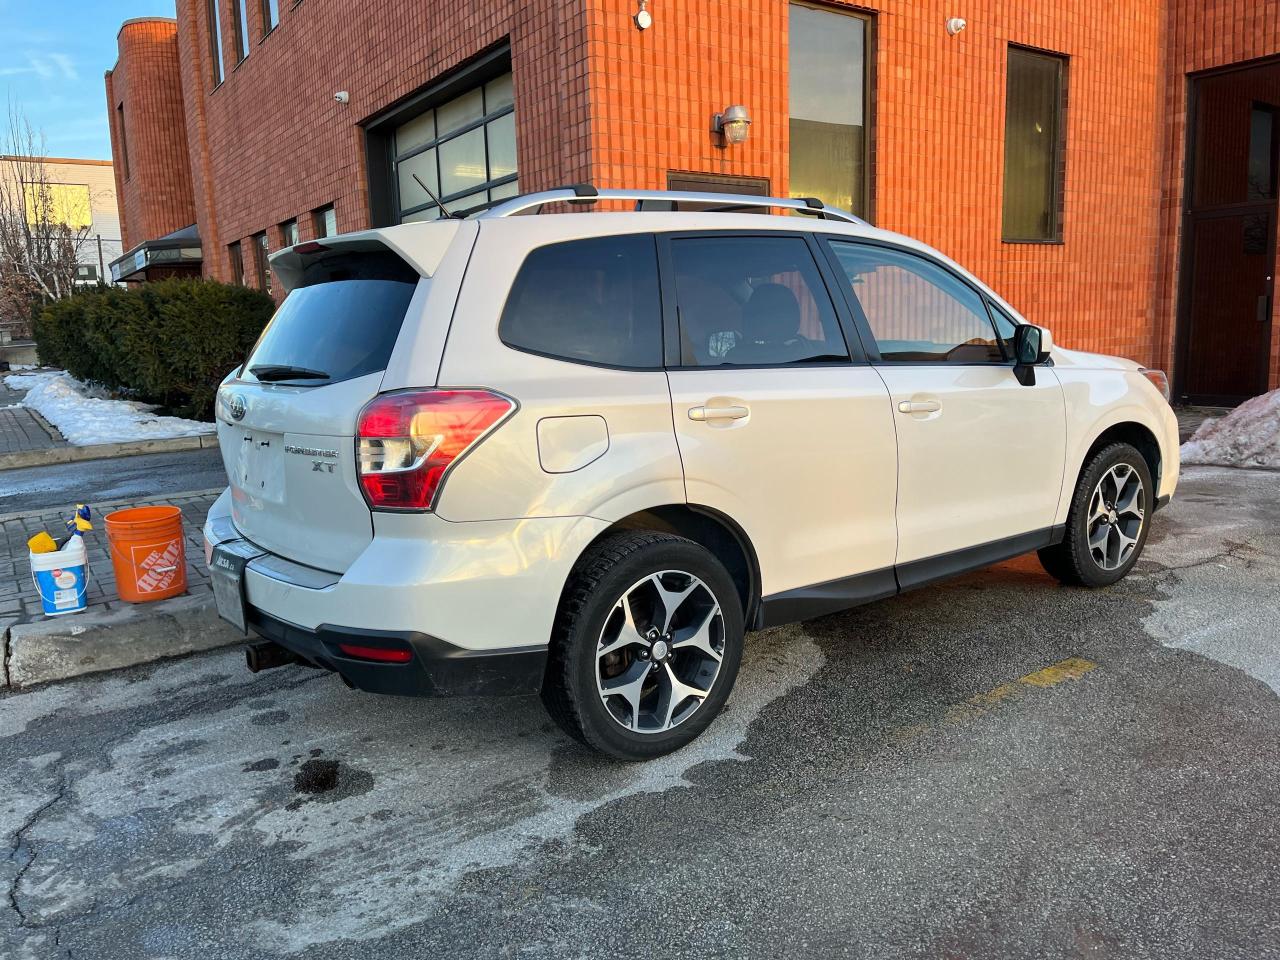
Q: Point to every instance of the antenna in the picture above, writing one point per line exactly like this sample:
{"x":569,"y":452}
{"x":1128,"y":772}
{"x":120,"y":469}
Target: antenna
{"x":443,"y":208}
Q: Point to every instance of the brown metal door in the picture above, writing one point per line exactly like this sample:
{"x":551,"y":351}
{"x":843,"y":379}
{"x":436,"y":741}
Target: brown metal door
{"x":1231,"y":262}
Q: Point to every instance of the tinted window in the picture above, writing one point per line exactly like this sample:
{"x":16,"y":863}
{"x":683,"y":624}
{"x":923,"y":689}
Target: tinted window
{"x":917,"y":311}
{"x":1032,"y":146}
{"x":342,"y":322}
{"x":752,"y":301}
{"x":592,"y":301}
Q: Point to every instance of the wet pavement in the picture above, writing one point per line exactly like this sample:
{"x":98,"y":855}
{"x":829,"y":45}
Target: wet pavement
{"x":993,"y":767}
{"x":33,"y":489}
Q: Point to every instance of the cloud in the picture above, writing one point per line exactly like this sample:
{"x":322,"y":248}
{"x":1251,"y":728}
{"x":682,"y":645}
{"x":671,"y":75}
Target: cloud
{"x":66,"y":65}
{"x":51,"y":66}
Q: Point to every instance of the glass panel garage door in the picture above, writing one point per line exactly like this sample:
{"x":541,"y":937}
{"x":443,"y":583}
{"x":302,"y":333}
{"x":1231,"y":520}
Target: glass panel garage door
{"x":464,"y":150}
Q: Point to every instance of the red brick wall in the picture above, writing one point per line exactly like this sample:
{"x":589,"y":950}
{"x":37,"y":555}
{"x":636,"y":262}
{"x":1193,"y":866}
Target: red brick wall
{"x":1202,"y":35}
{"x":157,"y":197}
{"x":275,"y":145}
{"x":939,"y":135}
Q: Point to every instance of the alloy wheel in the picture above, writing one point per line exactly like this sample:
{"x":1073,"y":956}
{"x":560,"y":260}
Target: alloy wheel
{"x":1117,"y":511}
{"x":659,"y":652}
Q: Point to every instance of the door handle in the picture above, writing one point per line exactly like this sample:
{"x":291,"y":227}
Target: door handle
{"x":919,"y":406}
{"x":718,"y":413}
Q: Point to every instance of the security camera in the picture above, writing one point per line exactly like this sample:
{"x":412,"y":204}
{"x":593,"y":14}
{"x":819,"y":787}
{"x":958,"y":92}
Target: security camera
{"x":342,"y":96}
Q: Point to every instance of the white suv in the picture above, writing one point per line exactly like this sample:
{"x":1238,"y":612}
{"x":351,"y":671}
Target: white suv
{"x":583,"y":453}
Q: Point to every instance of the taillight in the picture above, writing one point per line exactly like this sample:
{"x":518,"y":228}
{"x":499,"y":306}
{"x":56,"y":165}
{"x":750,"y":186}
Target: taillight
{"x":406,"y":442}
{"x":1158,"y":378}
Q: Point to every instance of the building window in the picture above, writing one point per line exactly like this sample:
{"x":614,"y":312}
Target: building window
{"x":829,"y":107}
{"x":237,"y":263}
{"x":124,"y":140}
{"x":326,"y":221}
{"x":270,"y":15}
{"x":261,"y":266}
{"x":463,"y":150}
{"x":240,"y":21}
{"x":289,"y":232}
{"x":215,"y":40}
{"x":1034,"y":128}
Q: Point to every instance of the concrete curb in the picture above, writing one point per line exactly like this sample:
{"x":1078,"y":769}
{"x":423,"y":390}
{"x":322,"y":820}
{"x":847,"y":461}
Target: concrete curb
{"x":103,"y":451}
{"x":100,"y":507}
{"x":126,"y":636}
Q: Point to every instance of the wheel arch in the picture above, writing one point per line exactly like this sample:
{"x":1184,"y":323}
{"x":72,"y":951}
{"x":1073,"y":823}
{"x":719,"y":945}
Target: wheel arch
{"x":711,"y":529}
{"x":1137,"y":435}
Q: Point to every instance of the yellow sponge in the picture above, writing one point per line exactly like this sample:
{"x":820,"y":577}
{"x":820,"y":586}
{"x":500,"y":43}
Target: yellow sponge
{"x":42,"y":543}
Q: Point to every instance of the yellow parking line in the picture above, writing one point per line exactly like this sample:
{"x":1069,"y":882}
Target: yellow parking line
{"x":1072,"y":668}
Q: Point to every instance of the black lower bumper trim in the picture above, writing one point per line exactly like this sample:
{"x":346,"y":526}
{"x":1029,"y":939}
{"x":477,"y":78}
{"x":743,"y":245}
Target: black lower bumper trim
{"x":438,"y":668}
{"x":1162,"y":502}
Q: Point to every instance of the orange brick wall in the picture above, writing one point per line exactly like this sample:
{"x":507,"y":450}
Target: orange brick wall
{"x":1203,"y":34}
{"x":939,"y":134}
{"x":157,"y":197}
{"x":272,"y":144}
{"x":599,"y":100}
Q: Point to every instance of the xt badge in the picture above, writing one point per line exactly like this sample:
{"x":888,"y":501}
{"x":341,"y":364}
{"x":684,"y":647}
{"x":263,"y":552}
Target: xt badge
{"x":321,"y":466}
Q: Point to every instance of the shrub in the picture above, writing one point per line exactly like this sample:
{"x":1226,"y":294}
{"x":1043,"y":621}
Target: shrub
{"x":169,"y":342}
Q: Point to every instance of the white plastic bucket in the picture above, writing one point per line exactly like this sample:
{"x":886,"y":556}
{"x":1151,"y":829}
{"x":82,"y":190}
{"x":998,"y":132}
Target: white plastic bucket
{"x":61,"y":578}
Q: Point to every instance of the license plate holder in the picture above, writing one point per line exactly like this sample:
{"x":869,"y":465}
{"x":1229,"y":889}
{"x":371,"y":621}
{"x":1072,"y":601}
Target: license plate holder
{"x":226,"y":572}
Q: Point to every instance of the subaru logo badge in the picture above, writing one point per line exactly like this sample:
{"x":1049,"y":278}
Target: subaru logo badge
{"x":237,"y":407}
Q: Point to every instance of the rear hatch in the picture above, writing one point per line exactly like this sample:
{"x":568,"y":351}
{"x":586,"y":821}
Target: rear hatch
{"x":287,"y":419}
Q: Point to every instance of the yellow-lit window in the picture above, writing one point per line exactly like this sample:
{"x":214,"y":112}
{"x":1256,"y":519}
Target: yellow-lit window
{"x":66,"y":204}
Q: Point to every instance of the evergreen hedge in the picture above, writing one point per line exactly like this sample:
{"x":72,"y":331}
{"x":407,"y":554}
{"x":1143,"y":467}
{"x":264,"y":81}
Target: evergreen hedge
{"x":170,"y":342}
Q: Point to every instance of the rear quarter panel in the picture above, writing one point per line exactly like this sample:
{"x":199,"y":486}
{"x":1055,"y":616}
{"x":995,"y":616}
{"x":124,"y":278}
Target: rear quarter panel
{"x":505,"y":477}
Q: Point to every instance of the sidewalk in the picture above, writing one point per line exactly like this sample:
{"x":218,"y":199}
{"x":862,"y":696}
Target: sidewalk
{"x":109,"y":634}
{"x":19,"y":602}
{"x":23,"y":430}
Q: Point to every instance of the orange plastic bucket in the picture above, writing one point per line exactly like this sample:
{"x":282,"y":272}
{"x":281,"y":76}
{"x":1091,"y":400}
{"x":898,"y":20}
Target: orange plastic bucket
{"x":148,"y":553}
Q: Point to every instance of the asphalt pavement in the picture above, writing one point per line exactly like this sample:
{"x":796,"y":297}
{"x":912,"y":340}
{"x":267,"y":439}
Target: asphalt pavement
{"x":994,"y":767}
{"x":122,"y":478}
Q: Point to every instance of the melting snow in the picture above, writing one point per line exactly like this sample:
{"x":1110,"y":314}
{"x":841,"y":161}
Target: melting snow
{"x":84,"y":416}
{"x":1249,"y":436}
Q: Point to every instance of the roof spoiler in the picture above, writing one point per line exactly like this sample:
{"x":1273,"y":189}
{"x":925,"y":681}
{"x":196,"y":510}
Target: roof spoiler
{"x":421,"y":245}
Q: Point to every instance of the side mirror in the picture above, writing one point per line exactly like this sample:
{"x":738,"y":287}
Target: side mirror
{"x":1031,"y":346}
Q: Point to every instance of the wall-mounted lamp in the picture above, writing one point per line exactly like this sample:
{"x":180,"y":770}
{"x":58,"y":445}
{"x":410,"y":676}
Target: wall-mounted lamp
{"x":733,"y":125}
{"x":342,"y":96}
{"x":955,"y":25}
{"x":643,"y":18}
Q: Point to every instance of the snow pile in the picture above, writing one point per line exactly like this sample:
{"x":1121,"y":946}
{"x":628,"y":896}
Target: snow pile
{"x":1249,"y":436}
{"x":84,"y":418}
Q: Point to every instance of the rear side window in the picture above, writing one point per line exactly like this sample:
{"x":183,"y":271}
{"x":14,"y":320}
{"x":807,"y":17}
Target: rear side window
{"x":753,"y":301}
{"x":589,"y":301}
{"x":340,"y":323}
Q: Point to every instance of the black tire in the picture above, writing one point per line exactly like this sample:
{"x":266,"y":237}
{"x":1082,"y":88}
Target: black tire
{"x":606,"y":571}
{"x":1072,"y":561}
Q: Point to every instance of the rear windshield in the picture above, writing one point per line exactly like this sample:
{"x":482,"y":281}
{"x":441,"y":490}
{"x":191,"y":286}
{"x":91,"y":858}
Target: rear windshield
{"x":341,"y":323}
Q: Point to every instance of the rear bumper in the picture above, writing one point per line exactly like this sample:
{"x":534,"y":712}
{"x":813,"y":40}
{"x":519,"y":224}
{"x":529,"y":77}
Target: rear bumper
{"x":437,"y":668}
{"x":482,"y":585}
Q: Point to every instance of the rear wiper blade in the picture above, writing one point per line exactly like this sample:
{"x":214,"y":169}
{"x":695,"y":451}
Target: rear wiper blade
{"x":282,"y":371}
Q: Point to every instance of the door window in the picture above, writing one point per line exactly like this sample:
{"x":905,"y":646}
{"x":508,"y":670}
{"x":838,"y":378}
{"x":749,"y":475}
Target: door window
{"x":753,"y":301}
{"x":592,"y":301}
{"x":917,"y":311}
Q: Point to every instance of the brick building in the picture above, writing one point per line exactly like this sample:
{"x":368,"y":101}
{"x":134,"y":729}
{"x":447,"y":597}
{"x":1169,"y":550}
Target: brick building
{"x":1047,"y":147}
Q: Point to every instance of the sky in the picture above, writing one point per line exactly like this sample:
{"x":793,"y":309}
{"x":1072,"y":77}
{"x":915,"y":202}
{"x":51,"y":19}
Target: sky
{"x":53,"y":54}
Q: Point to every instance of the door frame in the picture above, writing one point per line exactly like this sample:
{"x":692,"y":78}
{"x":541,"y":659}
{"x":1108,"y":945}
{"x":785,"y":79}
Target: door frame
{"x":1186,"y":257}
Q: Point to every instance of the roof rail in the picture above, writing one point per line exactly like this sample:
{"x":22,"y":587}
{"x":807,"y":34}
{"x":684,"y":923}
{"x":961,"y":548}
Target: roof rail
{"x":586,"y":194}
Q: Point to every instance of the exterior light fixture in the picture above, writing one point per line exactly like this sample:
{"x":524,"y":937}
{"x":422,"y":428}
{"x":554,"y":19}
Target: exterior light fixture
{"x":955,"y":25}
{"x":732,"y":125}
{"x":643,"y":18}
